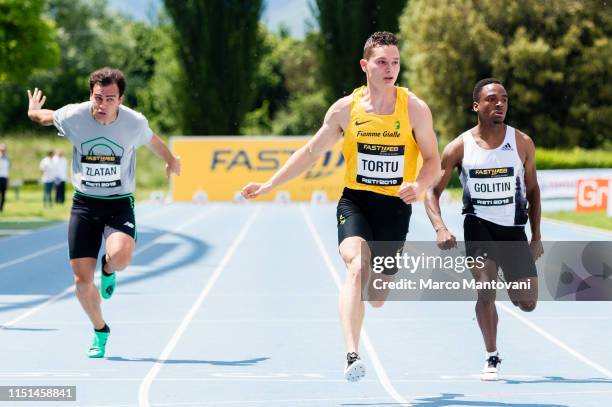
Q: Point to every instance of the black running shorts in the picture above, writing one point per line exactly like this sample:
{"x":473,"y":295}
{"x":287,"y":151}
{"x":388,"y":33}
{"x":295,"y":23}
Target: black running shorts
{"x":373,"y":217}
{"x":506,"y":245}
{"x":91,"y":218}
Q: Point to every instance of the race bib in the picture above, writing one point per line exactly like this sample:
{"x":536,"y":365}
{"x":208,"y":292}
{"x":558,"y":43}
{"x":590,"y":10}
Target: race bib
{"x":101,"y":171}
{"x":492,"y":186}
{"x":379,"y":164}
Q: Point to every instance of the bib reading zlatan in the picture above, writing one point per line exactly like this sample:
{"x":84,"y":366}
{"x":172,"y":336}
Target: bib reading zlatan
{"x":380,"y":150}
{"x":103,"y":156}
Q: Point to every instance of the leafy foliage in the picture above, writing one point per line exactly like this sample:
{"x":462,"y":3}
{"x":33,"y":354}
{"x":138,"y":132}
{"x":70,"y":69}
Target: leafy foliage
{"x":345,"y":26}
{"x":553,"y":56}
{"x":27,"y":39}
{"x":218,"y":49}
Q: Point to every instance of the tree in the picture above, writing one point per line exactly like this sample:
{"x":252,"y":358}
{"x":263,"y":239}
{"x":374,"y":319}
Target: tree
{"x":290,"y":98}
{"x":269,"y":82}
{"x":218,"y":50}
{"x":345,"y":26}
{"x":27,"y":44}
{"x":159,"y":96}
{"x":90,"y":37}
{"x":553,"y":56}
{"x":307,"y":103}
{"x":27,"y":40}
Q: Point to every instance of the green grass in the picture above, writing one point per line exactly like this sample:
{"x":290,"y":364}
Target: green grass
{"x":8,"y":228}
{"x":28,"y":212}
{"x":553,"y":159}
{"x":593,"y":219}
{"x":29,"y":208}
{"x":547,"y":159}
{"x":27,"y":149}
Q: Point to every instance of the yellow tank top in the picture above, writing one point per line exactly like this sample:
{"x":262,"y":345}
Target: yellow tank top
{"x":379,"y":150}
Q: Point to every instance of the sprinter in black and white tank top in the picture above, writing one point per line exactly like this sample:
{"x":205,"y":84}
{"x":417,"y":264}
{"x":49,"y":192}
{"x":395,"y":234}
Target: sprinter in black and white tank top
{"x":494,"y":181}
{"x":496,"y":165}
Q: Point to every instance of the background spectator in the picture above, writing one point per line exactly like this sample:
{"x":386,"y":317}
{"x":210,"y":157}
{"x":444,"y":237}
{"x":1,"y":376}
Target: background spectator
{"x":5,"y":165}
{"x":60,"y":167}
{"x":48,"y":177}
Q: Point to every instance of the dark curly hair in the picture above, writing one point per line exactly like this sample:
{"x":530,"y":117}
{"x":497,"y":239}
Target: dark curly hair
{"x":378,"y":39}
{"x":107,"y":76}
{"x":481,"y":84}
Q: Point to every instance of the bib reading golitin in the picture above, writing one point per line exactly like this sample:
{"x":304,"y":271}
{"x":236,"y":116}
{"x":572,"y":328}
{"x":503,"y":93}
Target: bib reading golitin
{"x":494,"y":181}
{"x":380,"y":150}
{"x":103,"y":156}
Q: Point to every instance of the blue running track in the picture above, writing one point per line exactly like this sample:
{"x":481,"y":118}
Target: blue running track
{"x":236,"y":305}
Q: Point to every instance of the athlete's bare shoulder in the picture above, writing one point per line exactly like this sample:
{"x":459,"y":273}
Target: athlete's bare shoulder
{"x":420,"y":114}
{"x":417,"y":106}
{"x":453,"y":152}
{"x":342,"y":104}
{"x":340,"y":111}
{"x":525,"y":146}
{"x":523,"y":138}
{"x":414,"y":100}
{"x":456,"y":143}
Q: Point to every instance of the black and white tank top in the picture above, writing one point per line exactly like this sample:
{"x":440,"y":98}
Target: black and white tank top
{"x":494,"y":181}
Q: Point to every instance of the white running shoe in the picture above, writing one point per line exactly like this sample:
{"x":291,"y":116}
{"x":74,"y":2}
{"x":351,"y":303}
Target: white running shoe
{"x":490,"y":372}
{"x":354,"y":369}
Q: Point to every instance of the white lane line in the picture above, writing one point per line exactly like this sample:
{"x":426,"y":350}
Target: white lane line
{"x":32,"y":255}
{"x":42,"y":229}
{"x":374,"y":359}
{"x":218,"y":403}
{"x":556,"y":341}
{"x":53,"y":248}
{"x":145,"y":386}
{"x":34,"y":310}
{"x":196,"y":380}
{"x":463,"y":399}
{"x":71,"y":288}
{"x":14,"y":232}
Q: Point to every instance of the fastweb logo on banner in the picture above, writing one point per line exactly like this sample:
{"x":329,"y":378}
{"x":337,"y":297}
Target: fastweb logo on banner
{"x":331,"y":162}
{"x":221,"y":166}
{"x":271,"y":160}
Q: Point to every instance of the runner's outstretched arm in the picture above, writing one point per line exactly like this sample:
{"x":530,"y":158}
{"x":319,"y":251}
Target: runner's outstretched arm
{"x":35,"y":111}
{"x":532,"y":190}
{"x":451,"y":158}
{"x":324,"y":139}
{"x":173,"y":163}
{"x":422,"y":125}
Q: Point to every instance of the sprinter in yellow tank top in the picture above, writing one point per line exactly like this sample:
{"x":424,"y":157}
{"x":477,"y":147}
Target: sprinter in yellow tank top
{"x":384,"y":128}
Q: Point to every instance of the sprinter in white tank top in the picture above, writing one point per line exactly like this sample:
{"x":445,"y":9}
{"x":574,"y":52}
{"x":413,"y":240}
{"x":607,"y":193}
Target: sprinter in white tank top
{"x":496,"y":164}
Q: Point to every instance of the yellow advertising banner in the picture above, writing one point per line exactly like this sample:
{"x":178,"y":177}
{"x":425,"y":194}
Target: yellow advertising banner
{"x":218,"y":168}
